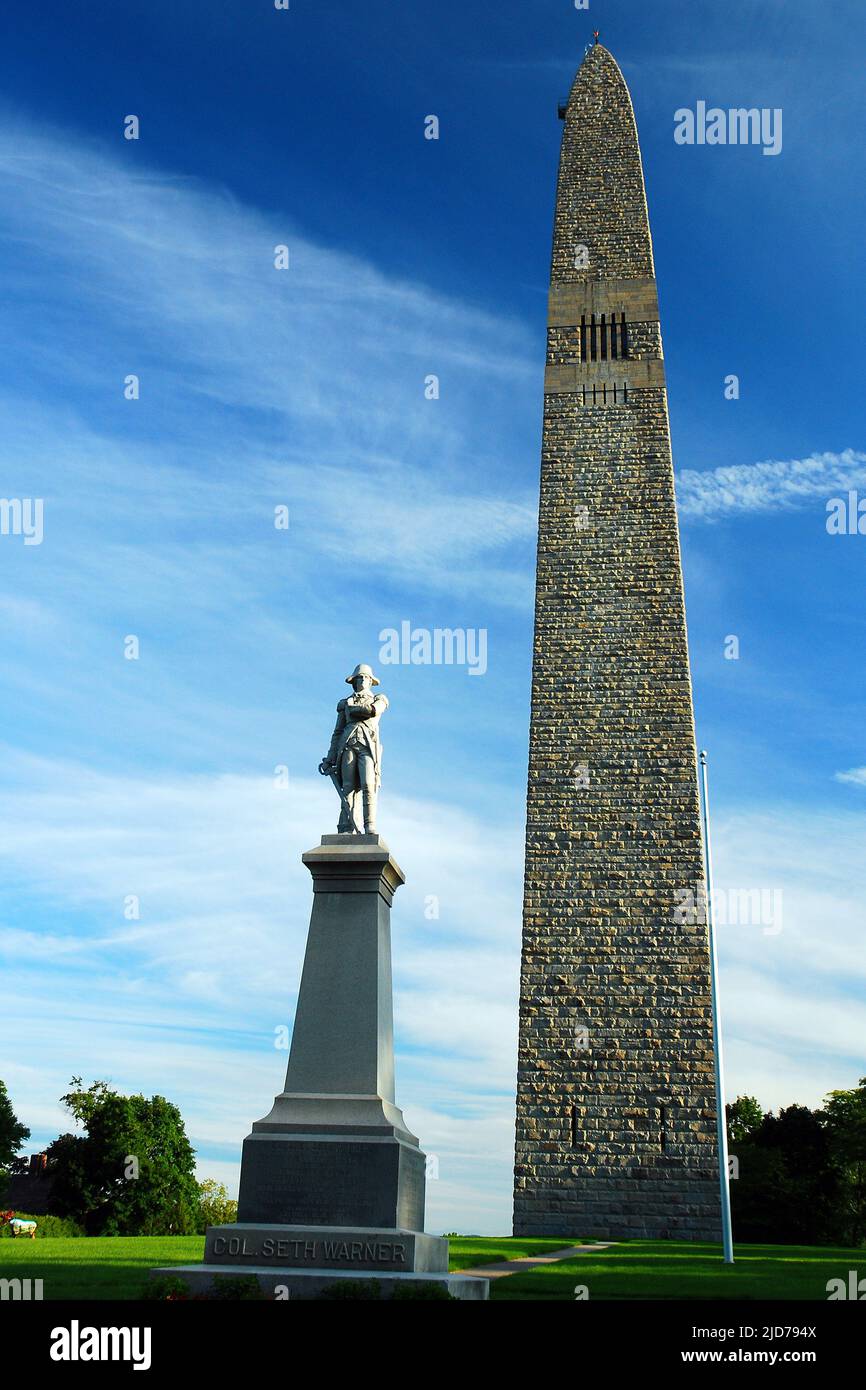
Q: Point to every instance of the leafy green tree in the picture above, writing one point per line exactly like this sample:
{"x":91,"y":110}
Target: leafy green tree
{"x":216,"y":1208}
{"x":131,"y":1173}
{"x":84,"y":1104}
{"x":12,"y":1136}
{"x":72,"y":1191}
{"x":806,"y":1202}
{"x":845,"y":1127}
{"x":744,"y":1118}
{"x":787,"y":1188}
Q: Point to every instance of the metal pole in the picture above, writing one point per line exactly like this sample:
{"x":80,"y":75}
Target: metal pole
{"x":721,"y":1125}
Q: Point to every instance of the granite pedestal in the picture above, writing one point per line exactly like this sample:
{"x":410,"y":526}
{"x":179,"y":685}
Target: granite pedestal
{"x":332,"y":1182}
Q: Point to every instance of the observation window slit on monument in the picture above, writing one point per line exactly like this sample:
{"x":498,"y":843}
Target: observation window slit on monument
{"x":602,"y":338}
{"x":663,"y":1131}
{"x":574,"y":1120}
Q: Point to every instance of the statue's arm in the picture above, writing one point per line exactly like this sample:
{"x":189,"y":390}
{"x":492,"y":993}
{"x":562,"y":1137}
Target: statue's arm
{"x":377,"y":706}
{"x":331,"y":755}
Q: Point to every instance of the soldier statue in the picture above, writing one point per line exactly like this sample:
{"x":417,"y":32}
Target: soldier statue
{"x":354,"y":759}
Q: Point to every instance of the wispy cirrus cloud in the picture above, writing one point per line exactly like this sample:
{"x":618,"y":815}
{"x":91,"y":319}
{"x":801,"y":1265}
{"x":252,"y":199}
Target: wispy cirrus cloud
{"x":184,"y":276}
{"x":305,"y":386}
{"x":856,"y":776}
{"x":754,"y":488}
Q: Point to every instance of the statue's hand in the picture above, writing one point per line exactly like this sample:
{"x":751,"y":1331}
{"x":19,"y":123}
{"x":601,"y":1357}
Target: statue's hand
{"x":325,"y":767}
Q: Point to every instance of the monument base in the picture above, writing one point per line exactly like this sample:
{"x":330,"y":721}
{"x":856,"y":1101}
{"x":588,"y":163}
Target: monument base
{"x":315,"y":1283}
{"x":305,"y":1261}
{"x":335,"y":1180}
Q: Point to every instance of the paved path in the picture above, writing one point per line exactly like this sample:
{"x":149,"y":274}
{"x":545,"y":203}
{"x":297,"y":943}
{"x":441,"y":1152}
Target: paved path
{"x":503,"y":1267}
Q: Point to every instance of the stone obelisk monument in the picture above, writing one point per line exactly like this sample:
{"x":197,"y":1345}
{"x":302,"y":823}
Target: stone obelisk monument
{"x":615,"y":1105}
{"x":332,"y":1182}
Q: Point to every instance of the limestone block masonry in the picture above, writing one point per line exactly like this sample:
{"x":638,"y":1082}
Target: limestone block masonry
{"x":615,"y":1105}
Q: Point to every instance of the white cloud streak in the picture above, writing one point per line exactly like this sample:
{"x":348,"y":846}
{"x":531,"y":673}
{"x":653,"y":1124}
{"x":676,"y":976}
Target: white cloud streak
{"x":856,"y":776}
{"x":756,"y":488}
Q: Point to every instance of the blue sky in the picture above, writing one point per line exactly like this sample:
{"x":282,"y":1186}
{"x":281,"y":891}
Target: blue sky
{"x":305,"y":388}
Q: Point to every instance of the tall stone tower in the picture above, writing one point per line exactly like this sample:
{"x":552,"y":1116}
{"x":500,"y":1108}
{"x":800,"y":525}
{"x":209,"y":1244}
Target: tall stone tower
{"x":615,"y":1097}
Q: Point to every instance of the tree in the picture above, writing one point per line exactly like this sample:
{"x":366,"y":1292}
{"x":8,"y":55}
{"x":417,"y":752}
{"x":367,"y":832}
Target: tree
{"x":805,"y":1203}
{"x":216,"y":1208}
{"x":744,"y":1117}
{"x":84,"y":1104}
{"x":786,"y":1191}
{"x":12,"y":1136}
{"x":845,"y":1127}
{"x":131,"y":1173}
{"x":755,"y":1213}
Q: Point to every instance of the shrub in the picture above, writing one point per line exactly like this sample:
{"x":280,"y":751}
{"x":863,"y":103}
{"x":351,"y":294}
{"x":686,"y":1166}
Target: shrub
{"x":353,"y":1288}
{"x":170,"y":1288}
{"x":366,"y":1289}
{"x":47,"y":1227}
{"x":243,"y":1287}
{"x":167,"y":1289}
{"x":435,"y":1292}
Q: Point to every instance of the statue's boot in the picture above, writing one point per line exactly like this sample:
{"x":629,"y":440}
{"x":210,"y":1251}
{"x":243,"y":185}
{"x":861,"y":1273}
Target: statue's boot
{"x":369,"y":813}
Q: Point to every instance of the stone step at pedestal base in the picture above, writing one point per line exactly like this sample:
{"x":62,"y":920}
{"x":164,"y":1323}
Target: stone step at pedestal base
{"x":313,"y":1283}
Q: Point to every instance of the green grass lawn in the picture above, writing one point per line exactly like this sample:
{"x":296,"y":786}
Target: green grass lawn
{"x":117,"y":1267}
{"x":639,"y":1269}
{"x":95,"y":1267}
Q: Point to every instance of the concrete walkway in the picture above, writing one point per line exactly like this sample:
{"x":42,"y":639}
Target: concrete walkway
{"x":502,"y":1267}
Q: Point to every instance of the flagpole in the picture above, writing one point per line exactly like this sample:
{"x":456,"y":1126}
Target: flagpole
{"x":721,"y":1125}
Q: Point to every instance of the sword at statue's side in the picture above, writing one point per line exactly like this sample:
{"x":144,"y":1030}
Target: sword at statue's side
{"x":328,"y":770}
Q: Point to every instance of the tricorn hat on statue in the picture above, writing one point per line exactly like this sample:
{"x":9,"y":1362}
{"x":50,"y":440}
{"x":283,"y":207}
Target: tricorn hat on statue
{"x":362,"y":669}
